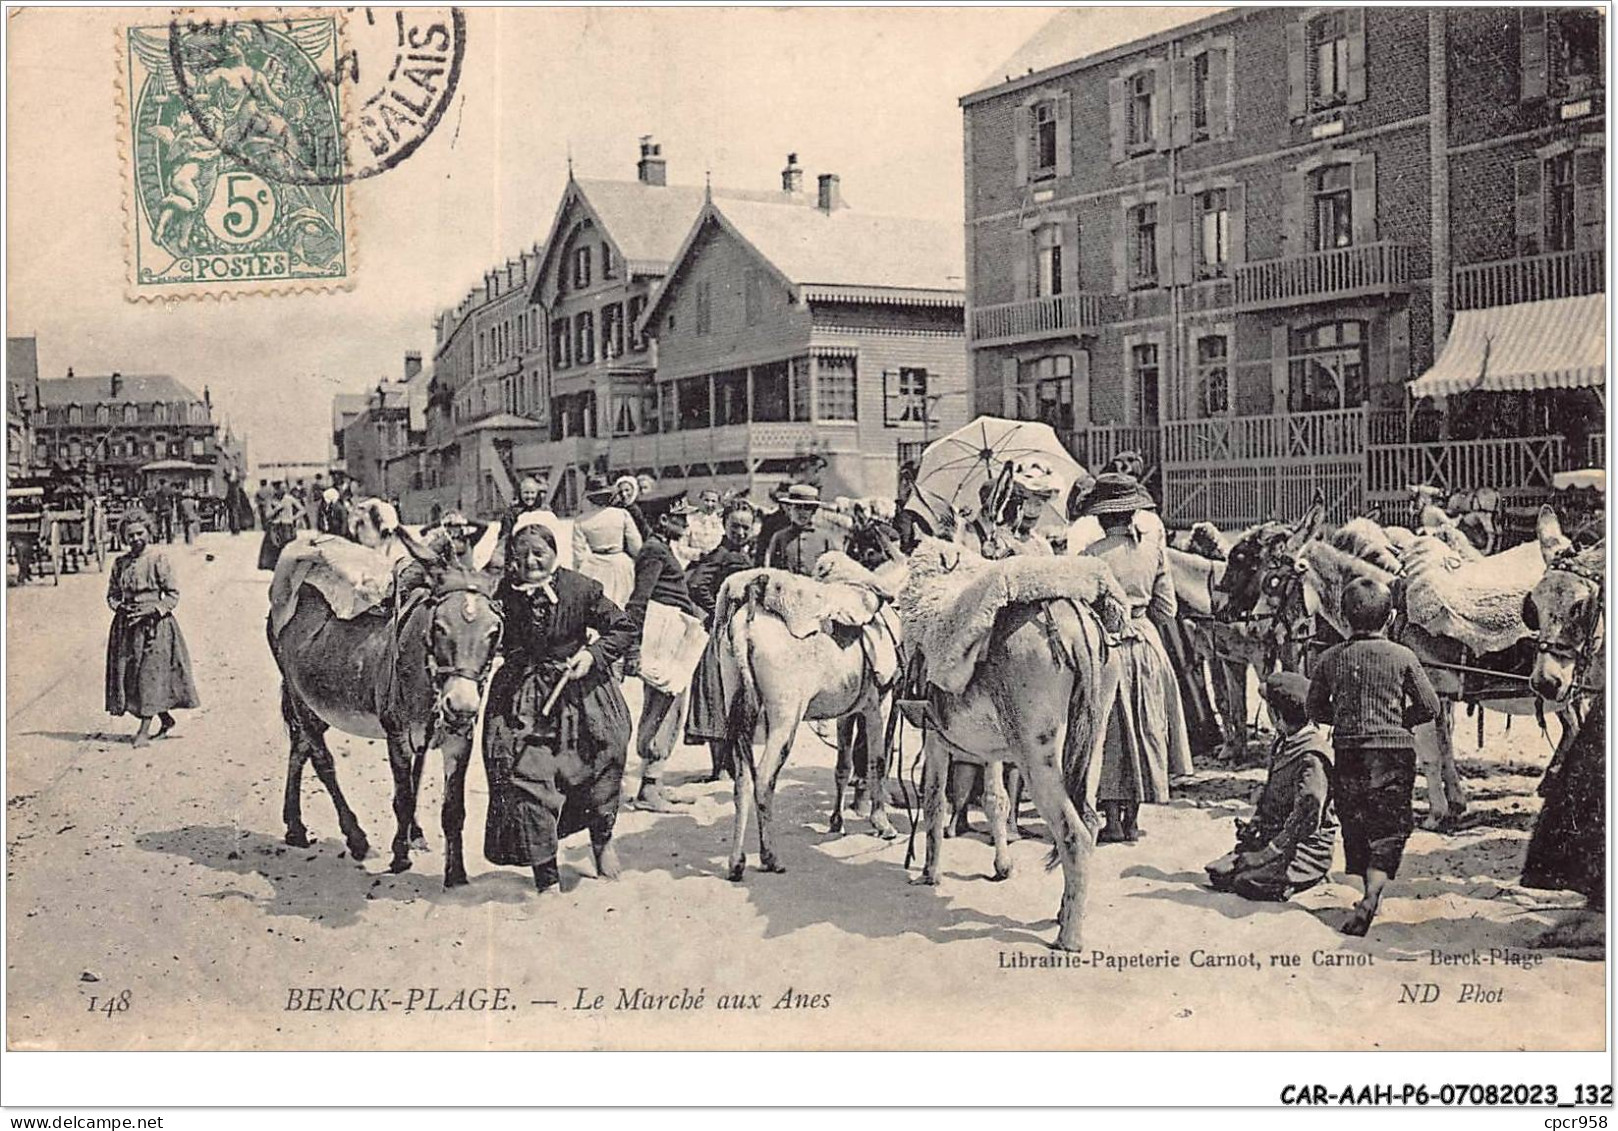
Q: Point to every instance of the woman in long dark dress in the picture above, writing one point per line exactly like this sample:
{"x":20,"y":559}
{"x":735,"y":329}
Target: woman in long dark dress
{"x":148,"y":666}
{"x":553,"y":773}
{"x":1568,"y":850}
{"x":705,"y":713}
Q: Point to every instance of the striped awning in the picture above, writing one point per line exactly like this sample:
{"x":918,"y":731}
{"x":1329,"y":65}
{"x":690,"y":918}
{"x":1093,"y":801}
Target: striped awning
{"x":1560,"y":343}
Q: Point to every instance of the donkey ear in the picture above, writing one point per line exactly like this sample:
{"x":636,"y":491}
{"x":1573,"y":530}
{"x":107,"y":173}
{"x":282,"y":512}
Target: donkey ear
{"x":1309,"y":524}
{"x":422,"y":552}
{"x":1551,"y":539}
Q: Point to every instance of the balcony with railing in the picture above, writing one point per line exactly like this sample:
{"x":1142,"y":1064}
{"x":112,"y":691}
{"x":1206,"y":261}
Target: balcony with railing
{"x":1532,"y":278}
{"x":724,"y":444}
{"x":1036,"y":318}
{"x":1266,"y":441}
{"x":1320,"y":276}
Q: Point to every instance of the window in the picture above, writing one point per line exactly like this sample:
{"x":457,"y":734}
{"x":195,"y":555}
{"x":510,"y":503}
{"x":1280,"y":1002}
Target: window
{"x":561,"y":351}
{"x":1327,"y":367}
{"x":581,"y":266}
{"x":781,"y":391}
{"x":103,"y":414}
{"x":1213,"y":376}
{"x":1578,"y":49}
{"x":609,"y":267}
{"x":131,"y":414}
{"x":160,"y":413}
{"x":75,"y":414}
{"x":730,"y":397}
{"x":1043,"y":142}
{"x":704,"y":307}
{"x":584,"y":338}
{"x":637,"y":307}
{"x":836,"y":385}
{"x":648,"y":410}
{"x":1213,"y":233}
{"x":197,"y":447}
{"x":1146,"y":376}
{"x":1045,"y":392}
{"x":753,"y":295}
{"x":1328,"y":60}
{"x":904,"y":398}
{"x":1047,"y":260}
{"x":695,"y":411}
{"x":1334,"y":207}
{"x":1143,"y":246}
{"x":667,"y":407}
{"x":1200,"y":116}
{"x":612,"y":331}
{"x":1142,"y":91}
{"x":1559,"y":224}
{"x":625,"y":414}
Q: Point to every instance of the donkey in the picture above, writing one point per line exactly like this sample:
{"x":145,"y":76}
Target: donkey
{"x":1039,"y":700}
{"x":414,"y":677}
{"x":774,"y":681}
{"x":1566,"y":612}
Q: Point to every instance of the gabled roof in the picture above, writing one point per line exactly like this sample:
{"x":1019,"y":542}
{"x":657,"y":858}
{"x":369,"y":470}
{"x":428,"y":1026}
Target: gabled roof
{"x":843,"y":253}
{"x":500,"y":421}
{"x":645,"y":223}
{"x":1086,"y":36}
{"x":134,"y":388}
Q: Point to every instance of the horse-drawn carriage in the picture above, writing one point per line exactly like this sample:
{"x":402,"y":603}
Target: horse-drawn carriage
{"x":54,"y":527}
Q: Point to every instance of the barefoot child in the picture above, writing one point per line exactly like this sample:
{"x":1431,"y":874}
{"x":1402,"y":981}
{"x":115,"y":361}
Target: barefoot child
{"x":1286,"y":848}
{"x":1372,"y":692}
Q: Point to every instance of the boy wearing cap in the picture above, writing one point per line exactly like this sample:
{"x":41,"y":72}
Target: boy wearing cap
{"x":1286,"y":848}
{"x":1372,"y":692}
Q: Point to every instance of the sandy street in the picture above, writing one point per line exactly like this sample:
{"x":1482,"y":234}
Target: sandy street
{"x":158,"y":881}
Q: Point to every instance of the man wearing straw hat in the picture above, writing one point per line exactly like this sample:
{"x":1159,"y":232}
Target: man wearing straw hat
{"x":799,"y":546}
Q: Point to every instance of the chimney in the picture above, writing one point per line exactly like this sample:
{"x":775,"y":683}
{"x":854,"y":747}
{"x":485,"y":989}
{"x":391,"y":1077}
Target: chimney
{"x":792,"y":175}
{"x":207,"y":396}
{"x":117,"y":383}
{"x":412,"y":364}
{"x":652,"y":169}
{"x":831,"y":193}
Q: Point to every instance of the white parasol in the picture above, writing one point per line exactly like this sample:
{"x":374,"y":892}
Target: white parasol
{"x":954,"y":468}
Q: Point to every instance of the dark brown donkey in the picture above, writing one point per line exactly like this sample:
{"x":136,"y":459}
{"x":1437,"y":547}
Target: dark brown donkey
{"x":413,"y":675}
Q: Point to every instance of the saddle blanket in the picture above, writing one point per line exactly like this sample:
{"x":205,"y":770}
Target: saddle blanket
{"x":948,"y":610}
{"x":804,"y":604}
{"x":353,"y":579}
{"x":1478,"y":603}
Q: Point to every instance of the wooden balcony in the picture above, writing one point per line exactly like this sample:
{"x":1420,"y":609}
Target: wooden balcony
{"x":709,"y":446}
{"x":1321,"y":276}
{"x":1036,"y":318}
{"x":1519,"y":466}
{"x":1561,"y":274}
{"x":1271,"y":442}
{"x":1094,"y":444}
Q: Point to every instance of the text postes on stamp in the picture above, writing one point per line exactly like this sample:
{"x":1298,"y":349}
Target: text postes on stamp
{"x":245,"y":130}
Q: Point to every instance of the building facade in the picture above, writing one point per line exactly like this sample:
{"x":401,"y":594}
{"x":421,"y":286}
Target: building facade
{"x":22,"y":398}
{"x":798,"y":328}
{"x":123,"y":433}
{"x":1233,"y":244}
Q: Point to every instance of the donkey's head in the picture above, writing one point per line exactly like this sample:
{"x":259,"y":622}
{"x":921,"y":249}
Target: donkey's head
{"x":1565,"y":613}
{"x":463,"y":635}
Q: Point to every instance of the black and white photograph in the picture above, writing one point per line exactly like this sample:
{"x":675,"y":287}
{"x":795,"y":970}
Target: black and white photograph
{"x":809,"y":529}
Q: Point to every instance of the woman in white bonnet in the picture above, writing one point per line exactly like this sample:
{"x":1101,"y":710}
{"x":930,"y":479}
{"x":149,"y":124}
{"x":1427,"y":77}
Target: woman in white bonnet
{"x":375,"y":522}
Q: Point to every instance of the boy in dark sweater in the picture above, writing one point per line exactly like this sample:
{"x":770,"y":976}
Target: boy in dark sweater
{"x":1372,"y":692}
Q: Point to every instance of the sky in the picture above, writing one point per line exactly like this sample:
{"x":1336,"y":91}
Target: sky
{"x":869,"y":94}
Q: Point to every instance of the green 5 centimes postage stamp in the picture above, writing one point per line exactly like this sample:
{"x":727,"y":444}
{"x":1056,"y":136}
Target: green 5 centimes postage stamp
{"x":235,"y":135}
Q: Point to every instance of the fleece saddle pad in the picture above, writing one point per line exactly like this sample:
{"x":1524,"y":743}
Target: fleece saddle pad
{"x":1478,"y":603}
{"x":1195,"y":578}
{"x":352,"y":578}
{"x":948,"y":610}
{"x":804,"y":604}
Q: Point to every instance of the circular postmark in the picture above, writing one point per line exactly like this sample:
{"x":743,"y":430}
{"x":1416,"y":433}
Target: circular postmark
{"x":272,"y":94}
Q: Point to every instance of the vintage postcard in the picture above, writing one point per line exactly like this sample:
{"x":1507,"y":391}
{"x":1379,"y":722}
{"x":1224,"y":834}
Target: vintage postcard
{"x":814,"y":529}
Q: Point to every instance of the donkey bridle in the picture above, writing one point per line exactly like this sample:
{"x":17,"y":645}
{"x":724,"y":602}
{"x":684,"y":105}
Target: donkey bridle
{"x":1582,"y":652}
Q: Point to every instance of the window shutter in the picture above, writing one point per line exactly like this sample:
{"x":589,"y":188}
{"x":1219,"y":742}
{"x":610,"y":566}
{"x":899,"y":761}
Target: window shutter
{"x":1530,"y":205}
{"x":1589,"y":202}
{"x":1008,"y":390}
{"x":1165,"y":243}
{"x":1024,"y":123}
{"x":1278,"y":369}
{"x":1021,"y":264}
{"x":1220,"y":88}
{"x":1236,"y":197}
{"x":1160,"y":98}
{"x":1297,"y":69}
{"x":1081,"y":388}
{"x":1064,"y":135}
{"x":1182,"y":239}
{"x":1364,"y":199}
{"x":1119,"y":121}
{"x":1070,"y":256}
{"x":1180,"y":103}
{"x":1294,"y":227}
{"x":1120,"y":250}
{"x":1354,"y":20}
{"x":1534,"y":54}
{"x":1399,"y":348}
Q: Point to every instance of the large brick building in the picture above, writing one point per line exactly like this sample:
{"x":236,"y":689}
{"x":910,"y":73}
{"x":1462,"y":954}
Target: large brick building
{"x":1234,"y":243}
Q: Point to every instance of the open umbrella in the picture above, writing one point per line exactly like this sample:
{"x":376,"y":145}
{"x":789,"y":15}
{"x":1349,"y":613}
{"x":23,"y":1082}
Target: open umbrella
{"x":955,"y":467}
